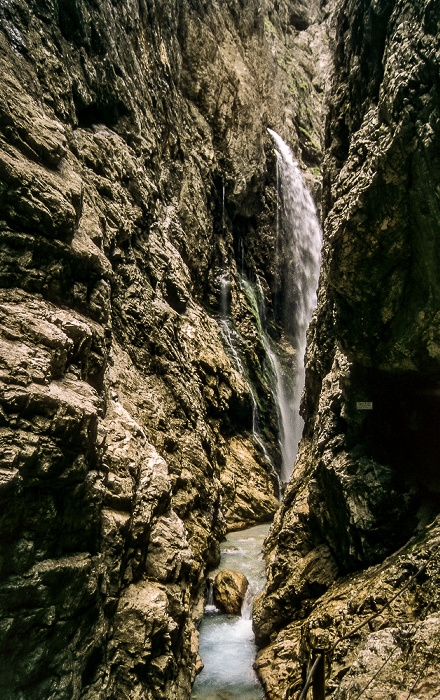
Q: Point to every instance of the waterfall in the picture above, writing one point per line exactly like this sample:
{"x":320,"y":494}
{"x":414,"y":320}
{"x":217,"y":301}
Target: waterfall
{"x":210,"y":606}
{"x":223,"y":207}
{"x":224,"y":295}
{"x":299,"y":236}
{"x":255,"y":296}
{"x":233,"y":341}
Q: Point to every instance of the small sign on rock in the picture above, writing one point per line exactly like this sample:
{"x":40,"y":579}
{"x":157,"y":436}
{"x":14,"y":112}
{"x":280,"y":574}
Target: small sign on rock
{"x":364,"y":405}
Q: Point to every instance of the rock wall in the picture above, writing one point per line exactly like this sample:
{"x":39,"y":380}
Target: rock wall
{"x":366,"y":479}
{"x":135,"y":175}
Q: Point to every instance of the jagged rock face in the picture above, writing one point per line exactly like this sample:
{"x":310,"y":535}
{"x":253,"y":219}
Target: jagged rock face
{"x":126,"y":427}
{"x":402,"y":638}
{"x":366,"y":477}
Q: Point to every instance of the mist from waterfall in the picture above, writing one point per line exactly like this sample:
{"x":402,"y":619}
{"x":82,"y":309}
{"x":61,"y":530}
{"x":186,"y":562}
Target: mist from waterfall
{"x":299,"y":237}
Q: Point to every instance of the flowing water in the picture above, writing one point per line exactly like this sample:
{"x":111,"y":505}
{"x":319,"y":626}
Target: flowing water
{"x":233,"y":342}
{"x":299,"y":229}
{"x":227,"y":643}
{"x":282,"y":385}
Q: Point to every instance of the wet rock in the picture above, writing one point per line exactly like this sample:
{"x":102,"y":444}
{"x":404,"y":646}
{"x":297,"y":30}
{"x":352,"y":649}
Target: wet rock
{"x":229,"y":589}
{"x":247,"y":498}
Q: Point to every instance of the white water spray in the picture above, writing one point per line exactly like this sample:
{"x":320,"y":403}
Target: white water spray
{"x":299,"y":236}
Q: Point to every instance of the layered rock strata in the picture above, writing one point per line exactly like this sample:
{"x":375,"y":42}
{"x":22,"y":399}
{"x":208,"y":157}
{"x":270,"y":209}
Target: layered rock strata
{"x":135,"y":174}
{"x":366,"y":478}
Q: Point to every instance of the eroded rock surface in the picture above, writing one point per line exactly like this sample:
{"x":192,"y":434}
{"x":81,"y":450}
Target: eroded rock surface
{"x":229,"y":589}
{"x":398,"y":609}
{"x":366,"y":478}
{"x":135,"y":172}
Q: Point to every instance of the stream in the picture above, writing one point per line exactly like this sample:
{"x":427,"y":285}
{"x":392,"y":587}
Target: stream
{"x":227,"y":643}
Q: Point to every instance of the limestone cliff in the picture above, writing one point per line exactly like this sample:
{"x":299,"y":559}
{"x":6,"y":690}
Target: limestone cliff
{"x":366,"y":481}
{"x":137,"y":186}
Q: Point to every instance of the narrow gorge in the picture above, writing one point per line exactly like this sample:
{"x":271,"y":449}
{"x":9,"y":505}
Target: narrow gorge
{"x":148,"y":298}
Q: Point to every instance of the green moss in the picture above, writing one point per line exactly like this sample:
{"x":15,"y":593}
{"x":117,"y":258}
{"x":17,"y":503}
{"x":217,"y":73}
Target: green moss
{"x":292,"y":87}
{"x":264,"y":374}
{"x":269,"y":28}
{"x":309,"y":136}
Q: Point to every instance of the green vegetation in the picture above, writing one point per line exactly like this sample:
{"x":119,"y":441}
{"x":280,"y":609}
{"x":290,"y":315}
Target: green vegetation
{"x":309,"y":136}
{"x":270,"y":29}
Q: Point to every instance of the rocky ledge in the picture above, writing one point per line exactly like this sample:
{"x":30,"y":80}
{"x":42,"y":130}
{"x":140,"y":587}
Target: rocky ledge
{"x":379,"y":628}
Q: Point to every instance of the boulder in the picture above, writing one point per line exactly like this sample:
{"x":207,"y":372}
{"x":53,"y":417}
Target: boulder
{"x":229,"y":591}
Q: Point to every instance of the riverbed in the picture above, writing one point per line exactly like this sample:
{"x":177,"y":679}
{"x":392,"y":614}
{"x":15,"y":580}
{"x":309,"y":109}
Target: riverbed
{"x":227,"y":644}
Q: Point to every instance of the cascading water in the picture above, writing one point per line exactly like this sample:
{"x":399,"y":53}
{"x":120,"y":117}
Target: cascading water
{"x":232,"y":342}
{"x":280,"y":385}
{"x":227,"y":644}
{"x":299,"y":236}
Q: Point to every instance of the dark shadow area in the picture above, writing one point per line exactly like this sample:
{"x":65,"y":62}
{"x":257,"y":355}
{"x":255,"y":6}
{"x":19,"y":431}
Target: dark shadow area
{"x":402,"y":429}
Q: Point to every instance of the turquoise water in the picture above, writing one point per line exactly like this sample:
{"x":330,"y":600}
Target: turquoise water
{"x":227,"y":644}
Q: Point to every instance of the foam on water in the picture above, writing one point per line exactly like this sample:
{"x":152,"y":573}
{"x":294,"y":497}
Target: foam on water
{"x":227,"y":644}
